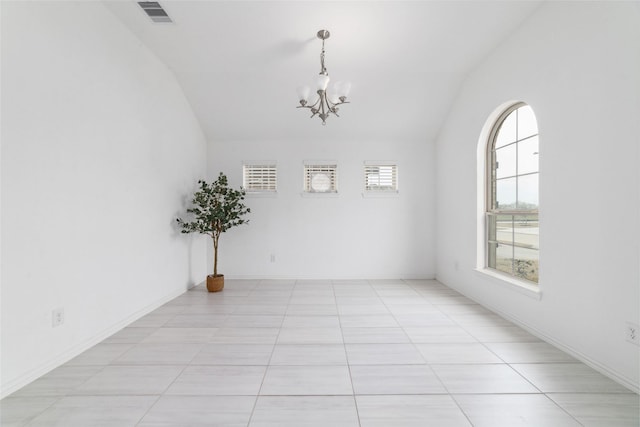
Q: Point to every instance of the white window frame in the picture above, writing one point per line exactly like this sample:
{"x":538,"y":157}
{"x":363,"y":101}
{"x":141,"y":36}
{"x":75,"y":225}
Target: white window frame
{"x":318,"y":169}
{"x":484,"y":171}
{"x":267,"y":168}
{"x":378,"y":190}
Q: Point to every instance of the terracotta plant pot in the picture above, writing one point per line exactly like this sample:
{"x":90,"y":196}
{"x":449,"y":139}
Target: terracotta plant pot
{"x":215,"y":283}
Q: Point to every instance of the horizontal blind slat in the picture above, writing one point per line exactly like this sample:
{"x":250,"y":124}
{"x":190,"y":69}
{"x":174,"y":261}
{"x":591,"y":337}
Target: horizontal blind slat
{"x":318,"y":170}
{"x":381,"y":177}
{"x":260,"y":177}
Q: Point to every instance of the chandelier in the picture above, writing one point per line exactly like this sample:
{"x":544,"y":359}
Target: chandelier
{"x":326,"y":102}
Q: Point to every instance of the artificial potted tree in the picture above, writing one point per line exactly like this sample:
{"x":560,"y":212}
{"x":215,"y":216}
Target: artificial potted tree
{"x":216,"y":208}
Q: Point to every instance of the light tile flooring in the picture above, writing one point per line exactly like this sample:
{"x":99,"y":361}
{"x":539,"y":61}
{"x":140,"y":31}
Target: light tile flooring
{"x":323,"y":353}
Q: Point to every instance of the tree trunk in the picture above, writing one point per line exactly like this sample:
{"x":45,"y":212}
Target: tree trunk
{"x":215,"y":254}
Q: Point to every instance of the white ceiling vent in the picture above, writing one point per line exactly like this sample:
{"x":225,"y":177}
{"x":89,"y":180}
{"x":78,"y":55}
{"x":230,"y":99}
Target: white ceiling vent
{"x":154,"y":11}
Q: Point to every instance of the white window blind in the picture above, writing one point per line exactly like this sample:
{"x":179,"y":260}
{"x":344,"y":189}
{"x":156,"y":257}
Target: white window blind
{"x":260,"y":178}
{"x":320,"y":178}
{"x":380,"y":177}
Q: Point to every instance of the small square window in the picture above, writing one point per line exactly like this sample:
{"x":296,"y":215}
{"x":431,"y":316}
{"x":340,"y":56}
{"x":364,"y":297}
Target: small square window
{"x":380,"y":177}
{"x":320,"y":178}
{"x":260,"y":178}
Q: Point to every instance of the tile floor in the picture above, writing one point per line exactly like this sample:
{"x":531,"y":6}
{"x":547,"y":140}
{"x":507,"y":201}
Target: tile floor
{"x":322,"y":353}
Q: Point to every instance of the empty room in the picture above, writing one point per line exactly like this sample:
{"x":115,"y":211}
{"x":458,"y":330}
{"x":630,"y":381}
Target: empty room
{"x":319,"y":213}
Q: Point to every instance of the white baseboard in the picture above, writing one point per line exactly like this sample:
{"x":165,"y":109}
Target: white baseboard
{"x":328,"y":277}
{"x":64,"y":357}
{"x":604,"y":370}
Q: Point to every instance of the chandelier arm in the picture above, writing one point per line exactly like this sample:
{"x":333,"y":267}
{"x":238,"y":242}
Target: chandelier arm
{"x":316,"y":103}
{"x":329,"y":103}
{"x":310,"y":107}
{"x":332,"y":107}
{"x":340,"y":102}
{"x":333,"y":110}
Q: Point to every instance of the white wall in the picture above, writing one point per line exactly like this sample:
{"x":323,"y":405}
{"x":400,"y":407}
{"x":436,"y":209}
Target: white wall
{"x":578,"y":65}
{"x":99,"y":148}
{"x":347,"y":236}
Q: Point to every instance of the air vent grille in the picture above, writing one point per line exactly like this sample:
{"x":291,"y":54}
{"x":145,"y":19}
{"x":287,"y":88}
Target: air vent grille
{"x":155,"y":11}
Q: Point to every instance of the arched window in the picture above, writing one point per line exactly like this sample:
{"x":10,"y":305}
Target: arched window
{"x":512,"y":194}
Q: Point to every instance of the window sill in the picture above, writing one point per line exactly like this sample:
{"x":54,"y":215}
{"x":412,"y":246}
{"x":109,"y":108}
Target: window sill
{"x":260,"y":194}
{"x":377,"y":194}
{"x":512,"y":283}
{"x":321,"y":195}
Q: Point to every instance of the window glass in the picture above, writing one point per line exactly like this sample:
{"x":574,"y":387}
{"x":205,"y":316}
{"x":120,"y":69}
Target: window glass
{"x":507,"y":132}
{"x":504,"y":228}
{"x":504,"y":258}
{"x":506,"y":161}
{"x":512,"y":185}
{"x":525,"y":231}
{"x":528,"y":192}
{"x":527,"y":124}
{"x":525,"y":264}
{"x":506,"y":193}
{"x":528,"y":156}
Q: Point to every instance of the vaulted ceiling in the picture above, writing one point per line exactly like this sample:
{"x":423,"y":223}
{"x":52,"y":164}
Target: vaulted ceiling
{"x":240,"y":62}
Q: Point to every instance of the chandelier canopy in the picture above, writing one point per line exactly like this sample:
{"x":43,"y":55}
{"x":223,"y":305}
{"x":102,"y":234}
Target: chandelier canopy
{"x":327,"y":101}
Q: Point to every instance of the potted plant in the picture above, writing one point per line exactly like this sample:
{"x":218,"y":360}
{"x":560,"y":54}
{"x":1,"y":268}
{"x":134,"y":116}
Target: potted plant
{"x":216,"y":208}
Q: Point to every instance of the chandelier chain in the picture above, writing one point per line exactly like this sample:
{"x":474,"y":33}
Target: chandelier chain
{"x":323,"y":69}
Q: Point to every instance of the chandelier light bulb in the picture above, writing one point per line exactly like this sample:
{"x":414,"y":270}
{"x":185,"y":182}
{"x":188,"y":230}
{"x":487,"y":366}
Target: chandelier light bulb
{"x":322,"y":82}
{"x":345,"y":89}
{"x":336,"y":89}
{"x":303,"y":94}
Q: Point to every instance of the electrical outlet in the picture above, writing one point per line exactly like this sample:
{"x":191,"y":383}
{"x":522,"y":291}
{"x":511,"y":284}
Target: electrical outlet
{"x":632,"y":333}
{"x":273,"y":258}
{"x":57,"y":317}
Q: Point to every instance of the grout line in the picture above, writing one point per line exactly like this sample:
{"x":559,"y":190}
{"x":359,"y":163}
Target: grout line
{"x":563,"y":409}
{"x":149,"y":408}
{"x":423,"y":300}
{"x":264,"y":376}
{"x":346,"y":354}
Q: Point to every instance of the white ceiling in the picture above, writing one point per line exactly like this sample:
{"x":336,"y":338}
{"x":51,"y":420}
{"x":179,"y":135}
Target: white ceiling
{"x":239,"y":62}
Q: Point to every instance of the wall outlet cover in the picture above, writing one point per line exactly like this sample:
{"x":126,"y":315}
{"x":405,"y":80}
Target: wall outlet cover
{"x":57,"y":317}
{"x":632,"y":333}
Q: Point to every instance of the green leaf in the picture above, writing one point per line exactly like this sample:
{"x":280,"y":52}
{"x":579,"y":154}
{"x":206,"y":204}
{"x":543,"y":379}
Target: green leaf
{"x":216,"y":208}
